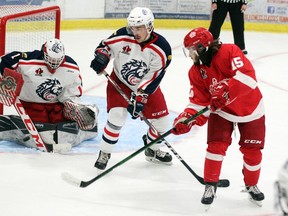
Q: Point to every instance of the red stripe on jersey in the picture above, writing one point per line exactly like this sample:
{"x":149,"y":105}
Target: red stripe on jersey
{"x":163,"y":58}
{"x":32,"y":63}
{"x":80,"y":87}
{"x":80,"y":90}
{"x":42,"y":63}
{"x":67,"y":65}
{"x":149,"y":81}
{"x":121,"y":39}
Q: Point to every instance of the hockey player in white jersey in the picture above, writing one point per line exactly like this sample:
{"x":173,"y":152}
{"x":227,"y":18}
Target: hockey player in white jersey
{"x":50,"y":96}
{"x":141,"y":57}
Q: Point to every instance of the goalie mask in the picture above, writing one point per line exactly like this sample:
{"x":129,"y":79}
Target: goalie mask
{"x":141,"y":16}
{"x":53,"y":54}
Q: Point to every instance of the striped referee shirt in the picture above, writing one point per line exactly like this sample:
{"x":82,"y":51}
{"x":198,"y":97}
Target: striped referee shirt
{"x":231,"y":1}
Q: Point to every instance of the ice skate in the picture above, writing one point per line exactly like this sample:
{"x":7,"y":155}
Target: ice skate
{"x":157,"y":156}
{"x":102,"y":160}
{"x":254,"y":195}
{"x":209,"y":195}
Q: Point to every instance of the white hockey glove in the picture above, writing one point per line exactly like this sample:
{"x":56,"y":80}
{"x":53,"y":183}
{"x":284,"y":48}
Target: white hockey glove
{"x":84,"y":115}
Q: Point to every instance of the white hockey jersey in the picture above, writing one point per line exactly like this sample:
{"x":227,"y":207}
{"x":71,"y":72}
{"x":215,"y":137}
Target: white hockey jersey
{"x":138,"y":66}
{"x":41,"y":86}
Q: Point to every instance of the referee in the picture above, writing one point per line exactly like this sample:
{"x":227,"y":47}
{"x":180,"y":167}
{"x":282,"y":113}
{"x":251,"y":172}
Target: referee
{"x":236,"y":9}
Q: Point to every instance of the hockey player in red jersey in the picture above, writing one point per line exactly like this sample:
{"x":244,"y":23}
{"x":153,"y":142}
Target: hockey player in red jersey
{"x":141,"y":57}
{"x":224,"y":79}
{"x":50,"y":96}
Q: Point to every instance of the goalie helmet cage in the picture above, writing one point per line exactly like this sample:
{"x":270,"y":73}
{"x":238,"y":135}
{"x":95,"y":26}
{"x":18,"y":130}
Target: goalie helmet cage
{"x":27,"y":27}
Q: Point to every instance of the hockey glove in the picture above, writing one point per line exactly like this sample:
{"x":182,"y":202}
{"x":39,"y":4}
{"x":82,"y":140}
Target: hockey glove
{"x":101,"y":60}
{"x":179,"y":126}
{"x":84,"y":115}
{"x":220,"y":96}
{"x":137,"y":104}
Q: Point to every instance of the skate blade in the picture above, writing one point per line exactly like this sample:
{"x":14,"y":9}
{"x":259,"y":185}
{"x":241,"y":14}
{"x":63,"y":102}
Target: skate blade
{"x":255,"y":202}
{"x":206,"y":207}
{"x":153,"y":160}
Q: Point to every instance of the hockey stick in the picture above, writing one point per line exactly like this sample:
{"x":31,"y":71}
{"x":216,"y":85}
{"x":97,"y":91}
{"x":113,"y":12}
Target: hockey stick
{"x":79,"y":183}
{"x":11,"y":84}
{"x":221,"y":183}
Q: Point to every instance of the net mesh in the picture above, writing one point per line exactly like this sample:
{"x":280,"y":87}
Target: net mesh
{"x":26,"y":28}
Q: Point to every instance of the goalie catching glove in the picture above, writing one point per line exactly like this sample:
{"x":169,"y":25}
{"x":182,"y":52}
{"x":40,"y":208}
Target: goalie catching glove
{"x":84,"y":115}
{"x":101,"y":60}
{"x":179,"y":126}
{"x":137,"y":104}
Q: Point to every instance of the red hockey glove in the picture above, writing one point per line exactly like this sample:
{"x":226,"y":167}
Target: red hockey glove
{"x":179,"y":126}
{"x":101,"y":60}
{"x":220,"y":96}
{"x":137,"y":104}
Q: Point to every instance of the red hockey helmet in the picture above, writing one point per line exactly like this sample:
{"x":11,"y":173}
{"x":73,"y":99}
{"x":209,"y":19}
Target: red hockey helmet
{"x":198,"y":36}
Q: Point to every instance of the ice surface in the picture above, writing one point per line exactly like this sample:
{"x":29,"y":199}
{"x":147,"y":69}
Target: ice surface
{"x":31,"y":183}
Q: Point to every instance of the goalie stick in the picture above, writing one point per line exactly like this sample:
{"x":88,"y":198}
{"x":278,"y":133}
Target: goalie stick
{"x":10,"y":87}
{"x":221,"y":183}
{"x":79,"y":183}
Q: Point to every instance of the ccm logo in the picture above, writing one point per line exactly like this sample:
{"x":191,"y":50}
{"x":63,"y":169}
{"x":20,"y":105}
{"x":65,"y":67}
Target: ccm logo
{"x":159,"y":113}
{"x":252,"y":141}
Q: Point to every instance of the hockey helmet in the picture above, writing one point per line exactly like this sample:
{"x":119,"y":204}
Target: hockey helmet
{"x":53,"y":53}
{"x":198,"y":36}
{"x":141,"y":16}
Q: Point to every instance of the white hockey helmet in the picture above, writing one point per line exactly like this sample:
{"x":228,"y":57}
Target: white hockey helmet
{"x":53,"y":53}
{"x":141,"y":16}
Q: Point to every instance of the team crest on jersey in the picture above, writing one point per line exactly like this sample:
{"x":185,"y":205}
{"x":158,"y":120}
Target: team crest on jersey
{"x":38,"y":72}
{"x":126,"y":50}
{"x":49,"y":90}
{"x":134,"y":71}
{"x":215,"y":83}
{"x":203,"y":73}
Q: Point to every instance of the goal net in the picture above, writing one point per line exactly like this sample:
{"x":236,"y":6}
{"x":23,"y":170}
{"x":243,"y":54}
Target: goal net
{"x":27,"y":27}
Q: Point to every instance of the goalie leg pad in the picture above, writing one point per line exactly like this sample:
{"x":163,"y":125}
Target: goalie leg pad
{"x":12,"y":122}
{"x":13,"y":129}
{"x":69,"y":132}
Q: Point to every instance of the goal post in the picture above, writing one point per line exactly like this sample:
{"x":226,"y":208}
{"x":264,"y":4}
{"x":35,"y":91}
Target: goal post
{"x":27,"y":27}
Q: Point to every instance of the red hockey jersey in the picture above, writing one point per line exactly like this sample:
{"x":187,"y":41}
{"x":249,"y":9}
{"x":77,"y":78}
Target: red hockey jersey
{"x":229,"y":64}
